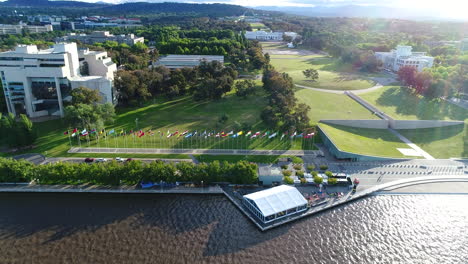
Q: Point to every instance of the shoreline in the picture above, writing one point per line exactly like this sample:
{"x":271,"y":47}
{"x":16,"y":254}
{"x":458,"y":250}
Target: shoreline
{"x":413,"y":186}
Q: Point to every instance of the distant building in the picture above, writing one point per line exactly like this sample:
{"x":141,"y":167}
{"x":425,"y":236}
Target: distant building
{"x":266,"y":36}
{"x":38,"y":82}
{"x":275,"y":203}
{"x":270,"y":175}
{"x":403,"y":56}
{"x":18,"y":29}
{"x":263,"y":35}
{"x":124,"y":20}
{"x":102,"y":36}
{"x":182,"y":61}
{"x":464,"y":44}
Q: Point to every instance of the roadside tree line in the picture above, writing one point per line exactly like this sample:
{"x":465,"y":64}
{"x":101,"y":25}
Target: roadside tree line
{"x":128,"y":173}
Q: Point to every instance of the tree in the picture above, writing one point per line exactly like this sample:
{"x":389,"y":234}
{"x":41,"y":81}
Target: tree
{"x":422,"y":81}
{"x":318,"y":180}
{"x":406,"y":75}
{"x":132,"y":87}
{"x":245,"y":88}
{"x":312,"y":74}
{"x":90,"y":116}
{"x":287,"y":38}
{"x":84,"y":95}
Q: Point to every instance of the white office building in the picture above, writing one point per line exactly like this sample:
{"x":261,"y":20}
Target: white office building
{"x":38,"y":82}
{"x":18,"y":29}
{"x":404,"y":56}
{"x":268,"y":36}
{"x":102,"y":36}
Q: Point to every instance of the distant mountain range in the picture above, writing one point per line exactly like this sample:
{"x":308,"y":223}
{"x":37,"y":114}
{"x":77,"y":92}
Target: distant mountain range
{"x":134,"y":7}
{"x":355,"y":11}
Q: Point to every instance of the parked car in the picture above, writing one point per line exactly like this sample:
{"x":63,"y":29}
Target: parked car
{"x":119,"y":159}
{"x":129,"y":159}
{"x":101,"y":160}
{"x":89,"y":160}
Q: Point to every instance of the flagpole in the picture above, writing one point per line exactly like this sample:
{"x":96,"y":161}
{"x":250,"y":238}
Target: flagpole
{"x":69,"y":138}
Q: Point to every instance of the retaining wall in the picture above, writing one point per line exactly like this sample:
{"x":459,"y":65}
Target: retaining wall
{"x":360,"y":123}
{"x":414,"y":124}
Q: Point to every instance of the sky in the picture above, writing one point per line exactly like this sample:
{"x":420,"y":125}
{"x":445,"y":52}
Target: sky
{"x":445,"y":8}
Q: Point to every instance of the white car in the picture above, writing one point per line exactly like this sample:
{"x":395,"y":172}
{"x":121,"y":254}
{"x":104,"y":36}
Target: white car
{"x":101,"y":160}
{"x":119,"y":159}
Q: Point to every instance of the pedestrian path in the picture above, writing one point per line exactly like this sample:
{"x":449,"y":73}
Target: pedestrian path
{"x":412,"y":145}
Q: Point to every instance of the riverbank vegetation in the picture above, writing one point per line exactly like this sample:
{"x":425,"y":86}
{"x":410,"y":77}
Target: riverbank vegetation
{"x":128,"y":173}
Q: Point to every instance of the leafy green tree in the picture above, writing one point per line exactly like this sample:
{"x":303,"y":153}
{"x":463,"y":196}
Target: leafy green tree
{"x":318,"y":180}
{"x":245,"y":88}
{"x":84,"y":95}
{"x":311,"y":74}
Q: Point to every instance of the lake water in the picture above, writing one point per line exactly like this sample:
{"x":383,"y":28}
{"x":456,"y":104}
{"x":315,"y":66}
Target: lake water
{"x":101,"y":228}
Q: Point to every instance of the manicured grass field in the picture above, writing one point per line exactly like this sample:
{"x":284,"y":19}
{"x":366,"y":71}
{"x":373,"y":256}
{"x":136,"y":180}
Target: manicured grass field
{"x":374,"y":142}
{"x":180,"y":114}
{"x":332,"y":106}
{"x":332,"y":74}
{"x":446,"y":142}
{"x":399,"y":103}
{"x":258,"y":26}
{"x":442,"y":143}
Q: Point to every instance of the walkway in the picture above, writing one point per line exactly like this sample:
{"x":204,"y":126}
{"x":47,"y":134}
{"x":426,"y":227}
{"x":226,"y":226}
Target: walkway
{"x":458,"y":102}
{"x":194,"y":151}
{"x":412,"y":145}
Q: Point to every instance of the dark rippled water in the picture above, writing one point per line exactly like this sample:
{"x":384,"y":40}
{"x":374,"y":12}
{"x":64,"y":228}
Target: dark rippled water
{"x":83,"y":228}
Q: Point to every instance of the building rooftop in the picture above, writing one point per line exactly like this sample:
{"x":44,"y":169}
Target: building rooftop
{"x":277,"y":199}
{"x":184,"y":58}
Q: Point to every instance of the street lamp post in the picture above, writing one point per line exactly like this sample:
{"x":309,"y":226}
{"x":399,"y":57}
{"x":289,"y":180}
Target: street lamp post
{"x":136,"y":123}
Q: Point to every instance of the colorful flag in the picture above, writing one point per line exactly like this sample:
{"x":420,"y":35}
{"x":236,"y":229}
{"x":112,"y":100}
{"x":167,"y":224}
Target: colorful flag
{"x":266,"y":134}
{"x":272,"y":135}
{"x":141,"y":134}
{"x":300,"y":135}
{"x":111,"y":131}
{"x":84,"y":134}
{"x":248,"y":133}
{"x":65,"y":133}
{"x":282,"y":136}
{"x":75,"y":130}
{"x":93,"y":131}
{"x":293,"y":135}
{"x":184,"y":133}
{"x":84,"y":131}
{"x":255,"y":135}
{"x":188,"y":135}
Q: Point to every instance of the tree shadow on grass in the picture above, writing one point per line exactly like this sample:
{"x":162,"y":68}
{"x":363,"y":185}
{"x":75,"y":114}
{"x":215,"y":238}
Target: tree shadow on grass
{"x":407,"y":103}
{"x":428,"y":135}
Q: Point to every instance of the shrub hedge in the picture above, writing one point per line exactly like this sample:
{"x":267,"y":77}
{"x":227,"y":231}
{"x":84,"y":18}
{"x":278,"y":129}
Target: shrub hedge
{"x":130,"y":173}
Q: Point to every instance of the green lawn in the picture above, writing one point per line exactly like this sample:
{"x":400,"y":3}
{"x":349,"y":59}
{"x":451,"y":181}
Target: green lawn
{"x":258,"y":26}
{"x":374,"y":142}
{"x":332,"y":106}
{"x":332,"y":74}
{"x":398,"y":103}
{"x":127,"y":155}
{"x":441,"y":143}
{"x":180,"y":114}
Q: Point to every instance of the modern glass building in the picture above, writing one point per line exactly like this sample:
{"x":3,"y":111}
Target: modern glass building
{"x":275,"y":203}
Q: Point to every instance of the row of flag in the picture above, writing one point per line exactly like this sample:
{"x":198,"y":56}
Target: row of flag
{"x":187,"y":134}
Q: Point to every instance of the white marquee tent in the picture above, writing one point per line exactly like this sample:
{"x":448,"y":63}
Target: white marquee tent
{"x":276,"y":202}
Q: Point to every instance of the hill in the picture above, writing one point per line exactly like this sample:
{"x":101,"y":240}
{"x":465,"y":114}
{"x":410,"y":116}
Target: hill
{"x":137,"y":8}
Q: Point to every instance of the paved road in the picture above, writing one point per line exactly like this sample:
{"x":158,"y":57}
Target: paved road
{"x":374,"y":173}
{"x":194,"y":151}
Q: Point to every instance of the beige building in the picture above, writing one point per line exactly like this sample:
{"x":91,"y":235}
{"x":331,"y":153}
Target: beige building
{"x":18,"y":29}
